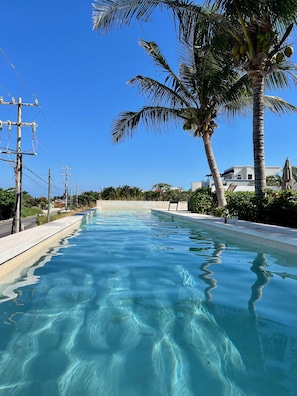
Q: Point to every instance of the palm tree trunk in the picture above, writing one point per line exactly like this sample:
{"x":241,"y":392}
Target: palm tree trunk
{"x":220,"y":192}
{"x":258,"y":132}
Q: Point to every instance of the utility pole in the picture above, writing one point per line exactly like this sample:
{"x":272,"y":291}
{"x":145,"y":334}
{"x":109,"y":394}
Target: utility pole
{"x":70,"y":200}
{"x":16,"y":224}
{"x":66,"y":185}
{"x":49,"y":197}
{"x":76,"y":196}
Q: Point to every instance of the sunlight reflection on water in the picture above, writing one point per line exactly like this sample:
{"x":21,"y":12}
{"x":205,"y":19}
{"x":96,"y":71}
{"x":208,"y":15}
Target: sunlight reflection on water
{"x":139,"y":305}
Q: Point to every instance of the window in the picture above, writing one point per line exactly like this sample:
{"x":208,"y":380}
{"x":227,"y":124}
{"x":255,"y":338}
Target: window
{"x":238,"y":177}
{"x":250,"y":176}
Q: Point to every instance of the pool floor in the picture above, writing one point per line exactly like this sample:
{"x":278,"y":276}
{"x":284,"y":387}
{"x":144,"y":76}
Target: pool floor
{"x":139,"y":304}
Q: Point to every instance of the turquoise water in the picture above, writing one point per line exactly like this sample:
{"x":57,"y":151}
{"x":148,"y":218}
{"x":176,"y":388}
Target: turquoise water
{"x":138,"y":304}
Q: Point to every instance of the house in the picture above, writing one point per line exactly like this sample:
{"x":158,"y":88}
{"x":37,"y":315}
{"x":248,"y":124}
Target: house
{"x":238,"y":178}
{"x":245,"y":175}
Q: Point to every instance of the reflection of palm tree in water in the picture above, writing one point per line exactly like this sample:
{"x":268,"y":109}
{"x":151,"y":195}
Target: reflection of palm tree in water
{"x":263,"y":278}
{"x":207,"y":275}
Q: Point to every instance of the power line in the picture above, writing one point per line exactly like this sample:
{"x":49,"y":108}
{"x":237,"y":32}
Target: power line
{"x":18,"y":74}
{"x":40,"y":112}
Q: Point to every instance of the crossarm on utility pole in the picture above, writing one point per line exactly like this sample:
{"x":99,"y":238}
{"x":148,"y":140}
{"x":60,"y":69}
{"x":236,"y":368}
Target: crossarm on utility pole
{"x":16,"y":224}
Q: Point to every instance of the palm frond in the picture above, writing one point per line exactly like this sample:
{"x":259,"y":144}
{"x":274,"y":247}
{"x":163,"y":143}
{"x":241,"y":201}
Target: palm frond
{"x":172,"y":81}
{"x":280,"y":14}
{"x":110,"y":14}
{"x":278,"y":105}
{"x":159,"y":94}
{"x":153,"y":50}
{"x":153,"y":118}
{"x":242,"y":106}
{"x":207,"y":71}
{"x":195,"y":23}
{"x":235,"y":88}
{"x":281,"y":76}
{"x":276,"y":80}
{"x":190,"y":82}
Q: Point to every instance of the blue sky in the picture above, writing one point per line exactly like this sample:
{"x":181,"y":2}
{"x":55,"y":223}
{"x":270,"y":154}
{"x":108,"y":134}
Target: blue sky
{"x":50,"y":52}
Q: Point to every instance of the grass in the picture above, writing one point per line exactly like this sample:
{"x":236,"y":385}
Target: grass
{"x":42,"y":219}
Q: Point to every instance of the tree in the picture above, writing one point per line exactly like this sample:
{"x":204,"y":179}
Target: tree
{"x":28,"y":200}
{"x":274,"y":180}
{"x":108,"y":193}
{"x":204,"y":87}
{"x":160,"y":187}
{"x":7,"y":199}
{"x":86,"y":198}
{"x":245,"y":21}
{"x":258,"y":32}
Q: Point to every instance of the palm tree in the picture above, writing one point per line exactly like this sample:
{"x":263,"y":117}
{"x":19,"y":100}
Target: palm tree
{"x":204,"y":87}
{"x":258,"y":32}
{"x":239,"y":18}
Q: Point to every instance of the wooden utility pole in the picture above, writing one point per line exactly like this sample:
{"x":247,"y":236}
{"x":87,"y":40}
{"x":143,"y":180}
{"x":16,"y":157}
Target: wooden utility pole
{"x":49,"y":197}
{"x":66,"y":185}
{"x":76,"y":196}
{"x":18,"y":174}
{"x":16,"y":224}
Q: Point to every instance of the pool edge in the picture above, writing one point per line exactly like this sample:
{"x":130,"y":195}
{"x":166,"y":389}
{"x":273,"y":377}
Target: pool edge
{"x":20,"y":248}
{"x":281,"y":238}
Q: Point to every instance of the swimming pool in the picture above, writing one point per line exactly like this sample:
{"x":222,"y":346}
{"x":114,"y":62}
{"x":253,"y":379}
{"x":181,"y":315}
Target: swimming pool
{"x":139,"y":304}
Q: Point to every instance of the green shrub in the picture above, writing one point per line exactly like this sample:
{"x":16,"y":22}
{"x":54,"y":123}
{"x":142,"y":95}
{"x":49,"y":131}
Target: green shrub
{"x":242,"y":204}
{"x":26,"y":212}
{"x":280,"y":208}
{"x":276,"y":207}
{"x":203,"y":201}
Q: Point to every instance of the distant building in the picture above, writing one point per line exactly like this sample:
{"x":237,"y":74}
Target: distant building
{"x":196,"y":185}
{"x":245,"y":175}
{"x":238,"y":178}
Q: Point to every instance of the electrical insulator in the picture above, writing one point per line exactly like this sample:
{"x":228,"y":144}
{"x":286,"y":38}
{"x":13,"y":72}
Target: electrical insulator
{"x":34,"y":126}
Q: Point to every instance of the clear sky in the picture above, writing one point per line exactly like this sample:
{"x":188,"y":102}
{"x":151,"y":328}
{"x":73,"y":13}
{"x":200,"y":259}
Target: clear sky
{"x":50,"y":52}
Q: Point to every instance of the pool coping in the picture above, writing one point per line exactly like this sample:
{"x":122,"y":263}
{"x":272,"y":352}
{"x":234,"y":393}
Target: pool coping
{"x":27,"y":246}
{"x":278,"y":237}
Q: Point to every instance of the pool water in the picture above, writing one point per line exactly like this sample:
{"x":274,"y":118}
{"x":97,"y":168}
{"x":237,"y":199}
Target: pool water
{"x":136,"y":304}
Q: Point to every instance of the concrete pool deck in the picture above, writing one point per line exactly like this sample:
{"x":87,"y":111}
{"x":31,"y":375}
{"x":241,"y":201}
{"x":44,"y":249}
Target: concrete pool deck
{"x":18,"y":251}
{"x":283,"y":238}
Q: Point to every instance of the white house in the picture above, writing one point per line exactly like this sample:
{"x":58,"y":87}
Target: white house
{"x":245,"y":175}
{"x":242,"y":178}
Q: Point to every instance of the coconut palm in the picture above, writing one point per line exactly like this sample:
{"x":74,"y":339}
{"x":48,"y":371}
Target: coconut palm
{"x":108,"y":14}
{"x":204,"y":87}
{"x":259,"y":32}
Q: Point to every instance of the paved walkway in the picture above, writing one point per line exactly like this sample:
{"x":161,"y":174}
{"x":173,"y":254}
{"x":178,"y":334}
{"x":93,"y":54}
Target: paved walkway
{"x":283,"y":238}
